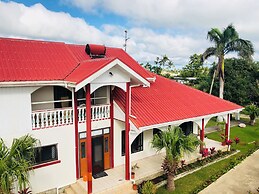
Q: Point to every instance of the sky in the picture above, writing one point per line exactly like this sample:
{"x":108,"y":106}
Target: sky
{"x":176,"y":28}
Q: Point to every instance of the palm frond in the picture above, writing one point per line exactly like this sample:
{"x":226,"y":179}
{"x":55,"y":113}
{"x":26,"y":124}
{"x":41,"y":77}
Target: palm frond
{"x":16,"y":162}
{"x":229,"y":34}
{"x":209,"y":52}
{"x":244,"y":48}
{"x":214,"y":35}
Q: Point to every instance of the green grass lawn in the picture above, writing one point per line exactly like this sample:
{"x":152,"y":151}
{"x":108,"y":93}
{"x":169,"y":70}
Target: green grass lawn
{"x":212,"y":122}
{"x":189,"y":183}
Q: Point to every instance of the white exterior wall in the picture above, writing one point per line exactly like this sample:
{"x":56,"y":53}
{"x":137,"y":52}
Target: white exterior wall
{"x":15,"y":117}
{"x":63,"y":173}
{"x":15,"y":112}
{"x":195,"y":128}
{"x":147,"y":150}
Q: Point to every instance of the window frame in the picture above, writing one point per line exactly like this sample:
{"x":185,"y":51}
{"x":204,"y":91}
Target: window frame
{"x":139,"y":138}
{"x":41,"y":161}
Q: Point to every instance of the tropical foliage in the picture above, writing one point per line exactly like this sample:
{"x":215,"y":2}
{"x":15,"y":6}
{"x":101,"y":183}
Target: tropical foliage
{"x":175,"y":144}
{"x":253,"y":111}
{"x":195,"y":69}
{"x":16,"y":162}
{"x":225,"y":42}
{"x":160,"y":64}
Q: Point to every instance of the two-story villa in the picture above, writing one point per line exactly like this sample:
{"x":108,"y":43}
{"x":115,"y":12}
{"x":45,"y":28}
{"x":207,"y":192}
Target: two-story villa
{"x":92,"y":107}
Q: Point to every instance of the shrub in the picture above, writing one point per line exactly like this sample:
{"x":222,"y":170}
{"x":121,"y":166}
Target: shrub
{"x":212,"y":150}
{"x":148,"y":188}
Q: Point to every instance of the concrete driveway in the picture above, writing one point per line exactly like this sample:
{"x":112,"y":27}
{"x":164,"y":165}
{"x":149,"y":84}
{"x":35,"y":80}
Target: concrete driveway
{"x":242,"y":179}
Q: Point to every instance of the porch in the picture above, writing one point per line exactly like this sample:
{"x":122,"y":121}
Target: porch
{"x":115,"y":181}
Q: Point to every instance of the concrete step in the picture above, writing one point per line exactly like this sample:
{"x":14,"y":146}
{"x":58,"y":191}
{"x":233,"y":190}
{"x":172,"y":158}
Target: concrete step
{"x":78,"y":189}
{"x":69,"y":191}
{"x":125,"y":188}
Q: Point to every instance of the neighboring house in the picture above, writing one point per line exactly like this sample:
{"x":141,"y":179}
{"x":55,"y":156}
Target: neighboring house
{"x":92,"y":108}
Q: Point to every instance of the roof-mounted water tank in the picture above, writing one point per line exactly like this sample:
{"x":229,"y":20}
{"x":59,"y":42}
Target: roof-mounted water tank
{"x":95,"y":51}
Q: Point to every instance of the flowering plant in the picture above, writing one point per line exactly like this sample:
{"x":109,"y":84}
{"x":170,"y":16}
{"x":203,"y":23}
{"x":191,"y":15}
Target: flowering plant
{"x":237,"y":140}
{"x":229,"y":142}
{"x":205,"y":152}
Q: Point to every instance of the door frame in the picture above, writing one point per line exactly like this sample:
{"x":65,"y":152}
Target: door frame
{"x":95,"y":133}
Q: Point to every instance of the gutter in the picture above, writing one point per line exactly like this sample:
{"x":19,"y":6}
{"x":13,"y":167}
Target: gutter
{"x":65,"y":84}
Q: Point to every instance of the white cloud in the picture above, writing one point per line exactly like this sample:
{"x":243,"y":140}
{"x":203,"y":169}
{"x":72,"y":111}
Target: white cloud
{"x":145,"y":44}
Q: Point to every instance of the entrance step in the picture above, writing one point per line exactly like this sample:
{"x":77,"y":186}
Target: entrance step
{"x":75,"y":188}
{"x":79,"y":188}
{"x":125,"y":188}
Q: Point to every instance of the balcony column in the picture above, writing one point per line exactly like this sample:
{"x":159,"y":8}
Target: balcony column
{"x":88,"y":138}
{"x":112,"y":128}
{"x":74,"y":99}
{"x":227,"y":128}
{"x":202,"y":135}
{"x":127,"y":129}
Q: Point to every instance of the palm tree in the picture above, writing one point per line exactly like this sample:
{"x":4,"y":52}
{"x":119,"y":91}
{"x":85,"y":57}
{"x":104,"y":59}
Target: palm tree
{"x":175,"y":144}
{"x":226,"y":42}
{"x":16,"y":162}
{"x":253,"y":111}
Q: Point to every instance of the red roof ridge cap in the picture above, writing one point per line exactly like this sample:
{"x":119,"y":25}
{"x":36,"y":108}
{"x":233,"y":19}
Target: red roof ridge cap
{"x":31,"y":40}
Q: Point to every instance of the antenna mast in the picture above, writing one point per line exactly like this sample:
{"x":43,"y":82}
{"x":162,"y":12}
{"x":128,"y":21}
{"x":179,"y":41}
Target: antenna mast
{"x":126,"y":39}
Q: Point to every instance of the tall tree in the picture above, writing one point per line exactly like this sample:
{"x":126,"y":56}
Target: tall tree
{"x":161,"y":63}
{"x":224,"y":43}
{"x":195,"y":69}
{"x":175,"y":144}
{"x":16,"y":162}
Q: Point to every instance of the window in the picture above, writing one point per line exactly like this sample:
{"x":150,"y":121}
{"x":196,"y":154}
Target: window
{"x":60,"y":94}
{"x":156,"y":131}
{"x":187,"y":127}
{"x":136,"y":146}
{"x":46,"y":154}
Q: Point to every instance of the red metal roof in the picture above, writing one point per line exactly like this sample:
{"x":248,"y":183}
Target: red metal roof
{"x":87,"y":68}
{"x":167,"y":100}
{"x":30,"y":60}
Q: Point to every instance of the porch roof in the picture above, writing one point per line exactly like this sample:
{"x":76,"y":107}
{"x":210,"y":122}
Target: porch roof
{"x":167,"y":101}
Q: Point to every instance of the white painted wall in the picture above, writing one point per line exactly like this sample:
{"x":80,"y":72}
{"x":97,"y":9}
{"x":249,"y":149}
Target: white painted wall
{"x":42,"y":95}
{"x":15,"y":117}
{"x":61,"y":174}
{"x":15,"y":112}
{"x":95,"y":125}
{"x":147,"y":150}
{"x":195,"y":128}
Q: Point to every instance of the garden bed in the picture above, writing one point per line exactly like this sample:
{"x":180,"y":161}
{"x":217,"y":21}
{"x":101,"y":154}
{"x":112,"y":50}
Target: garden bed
{"x":184,"y":170}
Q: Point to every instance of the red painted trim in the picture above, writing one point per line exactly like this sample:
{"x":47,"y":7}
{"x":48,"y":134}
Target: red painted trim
{"x":226,"y":129}
{"x":202,"y":134}
{"x":88,"y":138}
{"x":127,"y":129}
{"x":46,"y":164}
{"x":76,"y":135}
{"x":112,"y":127}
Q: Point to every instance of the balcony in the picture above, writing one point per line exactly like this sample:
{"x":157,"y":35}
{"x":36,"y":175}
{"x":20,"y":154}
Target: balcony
{"x":64,"y":116}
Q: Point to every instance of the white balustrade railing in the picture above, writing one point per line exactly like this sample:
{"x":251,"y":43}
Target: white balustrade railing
{"x":59,"y":117}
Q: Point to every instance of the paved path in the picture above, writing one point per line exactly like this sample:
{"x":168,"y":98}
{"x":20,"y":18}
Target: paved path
{"x":241,"y":179}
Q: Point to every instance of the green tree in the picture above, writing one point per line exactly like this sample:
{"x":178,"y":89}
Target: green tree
{"x":175,"y":144}
{"x":16,"y":162}
{"x":241,"y":83}
{"x":253,"y":111}
{"x":160,"y":64}
{"x":224,"y":43}
{"x":195,"y":69}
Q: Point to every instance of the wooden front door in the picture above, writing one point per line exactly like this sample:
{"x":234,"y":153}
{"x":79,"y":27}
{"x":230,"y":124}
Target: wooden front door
{"x":83,"y":158}
{"x":106,"y":148}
